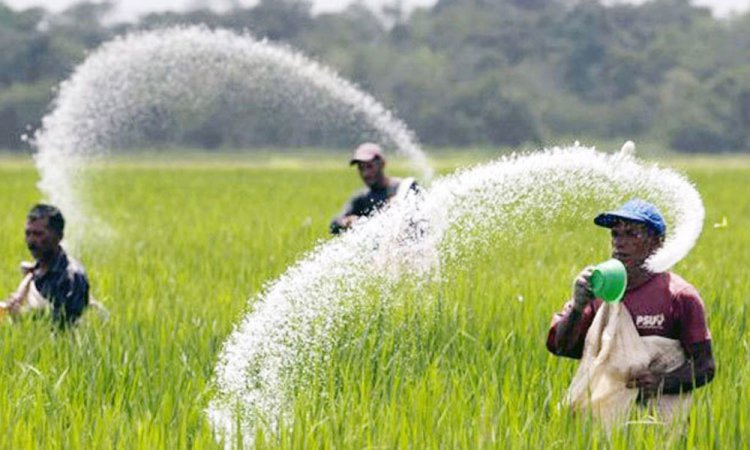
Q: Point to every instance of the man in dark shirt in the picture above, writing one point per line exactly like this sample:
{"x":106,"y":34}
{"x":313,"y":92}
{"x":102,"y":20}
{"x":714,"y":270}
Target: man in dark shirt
{"x":661,"y":304}
{"x":380,"y":188}
{"x":55,"y":277}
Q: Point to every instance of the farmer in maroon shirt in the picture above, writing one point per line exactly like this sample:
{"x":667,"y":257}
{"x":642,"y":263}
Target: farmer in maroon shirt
{"x":661,"y":304}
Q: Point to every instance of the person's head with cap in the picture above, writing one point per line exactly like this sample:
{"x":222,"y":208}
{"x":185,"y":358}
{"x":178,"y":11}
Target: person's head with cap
{"x":638,"y":230}
{"x":370,"y":162}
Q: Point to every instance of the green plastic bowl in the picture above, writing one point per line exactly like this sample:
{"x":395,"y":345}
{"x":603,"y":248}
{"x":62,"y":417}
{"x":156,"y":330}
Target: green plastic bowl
{"x":608,"y":281}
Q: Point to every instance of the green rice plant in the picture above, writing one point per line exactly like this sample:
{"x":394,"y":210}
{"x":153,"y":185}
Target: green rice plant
{"x":455,"y":363}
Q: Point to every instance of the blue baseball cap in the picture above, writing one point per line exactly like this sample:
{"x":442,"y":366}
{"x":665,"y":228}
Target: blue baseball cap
{"x":635,"y":210}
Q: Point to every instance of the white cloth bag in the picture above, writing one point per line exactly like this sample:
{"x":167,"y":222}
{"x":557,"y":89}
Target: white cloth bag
{"x":612,"y":354}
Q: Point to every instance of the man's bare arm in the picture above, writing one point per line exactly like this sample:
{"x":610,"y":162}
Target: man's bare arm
{"x":695,"y":372}
{"x":698,"y":370}
{"x":568,"y":334}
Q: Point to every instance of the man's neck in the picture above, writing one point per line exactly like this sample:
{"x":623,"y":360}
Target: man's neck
{"x":638,"y":277}
{"x":381,"y":184}
{"x":44,"y":264}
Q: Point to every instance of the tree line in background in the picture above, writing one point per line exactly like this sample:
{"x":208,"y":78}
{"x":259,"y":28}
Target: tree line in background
{"x":464,"y":72}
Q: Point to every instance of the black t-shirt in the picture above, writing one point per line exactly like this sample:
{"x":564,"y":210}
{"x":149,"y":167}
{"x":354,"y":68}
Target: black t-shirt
{"x":65,"y":286}
{"x":367,"y":201}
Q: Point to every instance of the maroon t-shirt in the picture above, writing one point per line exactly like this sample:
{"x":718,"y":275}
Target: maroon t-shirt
{"x":666,"y":305}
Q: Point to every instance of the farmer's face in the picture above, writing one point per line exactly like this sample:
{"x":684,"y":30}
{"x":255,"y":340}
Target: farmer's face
{"x":633,"y":243}
{"x":41,"y":240}
{"x":371,"y":172}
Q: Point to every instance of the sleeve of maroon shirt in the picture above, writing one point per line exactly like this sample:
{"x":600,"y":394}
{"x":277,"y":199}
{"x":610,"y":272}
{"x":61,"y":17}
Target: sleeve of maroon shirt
{"x":571,"y":344}
{"x":692,"y":316}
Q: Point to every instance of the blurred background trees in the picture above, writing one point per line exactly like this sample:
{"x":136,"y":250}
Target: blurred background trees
{"x":462,"y":73}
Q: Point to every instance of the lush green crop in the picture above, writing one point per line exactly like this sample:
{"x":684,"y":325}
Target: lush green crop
{"x":466,"y":368}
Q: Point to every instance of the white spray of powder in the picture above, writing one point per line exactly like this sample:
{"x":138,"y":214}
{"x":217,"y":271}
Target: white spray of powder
{"x":153,"y":79}
{"x":295,"y":323}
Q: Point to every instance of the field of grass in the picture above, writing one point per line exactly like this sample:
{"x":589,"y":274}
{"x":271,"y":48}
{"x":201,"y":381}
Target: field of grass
{"x":192,"y":242}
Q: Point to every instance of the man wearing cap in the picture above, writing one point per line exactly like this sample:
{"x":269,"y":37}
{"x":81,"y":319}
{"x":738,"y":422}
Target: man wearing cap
{"x":55,"y":280}
{"x":380,"y":188}
{"x":661,"y":304}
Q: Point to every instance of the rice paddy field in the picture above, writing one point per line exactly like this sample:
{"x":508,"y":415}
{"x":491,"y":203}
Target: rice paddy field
{"x":190,"y":242}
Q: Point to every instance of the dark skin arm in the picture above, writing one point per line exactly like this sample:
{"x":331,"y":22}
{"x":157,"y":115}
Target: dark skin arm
{"x":340,"y":224}
{"x":346,"y":218}
{"x":698,"y":370}
{"x":566,"y":337}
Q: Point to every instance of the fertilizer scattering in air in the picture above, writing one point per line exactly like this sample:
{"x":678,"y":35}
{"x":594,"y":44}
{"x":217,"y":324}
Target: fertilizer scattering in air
{"x":132,"y":81}
{"x":298,"y":318}
{"x":133,"y":84}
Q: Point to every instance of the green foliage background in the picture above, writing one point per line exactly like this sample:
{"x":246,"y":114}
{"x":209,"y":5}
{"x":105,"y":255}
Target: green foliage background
{"x":193,"y":240}
{"x":464,"y":72}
